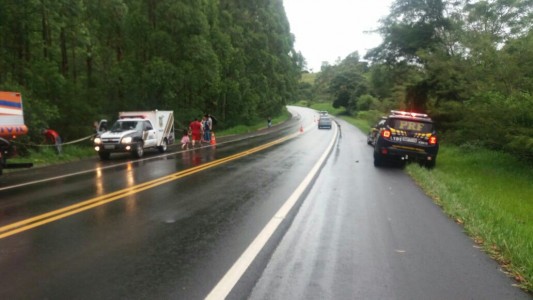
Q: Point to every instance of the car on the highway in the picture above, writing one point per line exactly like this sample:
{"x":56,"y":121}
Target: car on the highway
{"x":406,"y":136}
{"x":323,"y":113}
{"x":324,"y":122}
{"x":373,"y":132}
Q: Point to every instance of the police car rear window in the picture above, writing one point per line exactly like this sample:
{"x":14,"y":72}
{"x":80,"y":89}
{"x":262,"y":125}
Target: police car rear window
{"x":411,"y":125}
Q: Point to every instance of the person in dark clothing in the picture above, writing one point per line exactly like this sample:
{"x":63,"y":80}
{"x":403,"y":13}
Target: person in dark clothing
{"x":208,"y":127}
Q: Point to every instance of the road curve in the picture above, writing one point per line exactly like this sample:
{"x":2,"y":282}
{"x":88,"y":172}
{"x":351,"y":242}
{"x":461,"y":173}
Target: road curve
{"x":371,"y":233}
{"x":171,"y":226}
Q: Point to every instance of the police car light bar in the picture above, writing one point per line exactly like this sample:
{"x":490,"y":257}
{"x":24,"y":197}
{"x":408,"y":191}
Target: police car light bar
{"x":412,"y":114}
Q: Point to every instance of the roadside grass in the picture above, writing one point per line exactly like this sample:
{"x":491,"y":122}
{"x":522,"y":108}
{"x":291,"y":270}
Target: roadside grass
{"x":327,"y":107}
{"x":359,"y":123}
{"x":48,"y":155}
{"x":309,"y":78}
{"x":242,"y":129}
{"x":490,"y":194}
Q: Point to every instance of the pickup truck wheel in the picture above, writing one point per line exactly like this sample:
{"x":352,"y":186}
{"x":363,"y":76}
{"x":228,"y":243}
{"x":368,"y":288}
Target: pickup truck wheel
{"x":163,"y":146}
{"x":378,"y":160}
{"x":104,"y":155}
{"x":139,"y":150}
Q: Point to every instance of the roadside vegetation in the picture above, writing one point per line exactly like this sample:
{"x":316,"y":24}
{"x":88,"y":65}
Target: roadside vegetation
{"x":44,"y":156}
{"x":241,"y":129}
{"x":488,"y":192}
{"x":76,"y":62}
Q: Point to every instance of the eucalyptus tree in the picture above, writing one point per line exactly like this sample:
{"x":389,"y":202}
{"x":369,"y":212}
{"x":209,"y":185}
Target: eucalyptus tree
{"x":82,"y":59}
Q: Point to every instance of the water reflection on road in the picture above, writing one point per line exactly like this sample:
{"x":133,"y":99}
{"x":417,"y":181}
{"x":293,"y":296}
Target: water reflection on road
{"x":197,"y":156}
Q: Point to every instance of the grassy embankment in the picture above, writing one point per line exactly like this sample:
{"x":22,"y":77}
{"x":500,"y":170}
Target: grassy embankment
{"x":47,"y":155}
{"x":489,"y":193}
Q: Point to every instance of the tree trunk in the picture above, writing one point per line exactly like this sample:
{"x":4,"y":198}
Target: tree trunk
{"x":45,"y":29}
{"x":74,"y":71}
{"x":89,"y":66}
{"x":64,"y":54}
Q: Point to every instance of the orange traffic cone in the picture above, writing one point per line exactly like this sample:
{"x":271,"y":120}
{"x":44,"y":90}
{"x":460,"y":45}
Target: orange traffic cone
{"x":213,"y":139}
{"x":301,"y":128}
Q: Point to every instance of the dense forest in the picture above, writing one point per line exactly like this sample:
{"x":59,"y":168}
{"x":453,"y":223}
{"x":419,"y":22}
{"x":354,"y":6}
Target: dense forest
{"x":469,"y":64}
{"x":77,"y":61}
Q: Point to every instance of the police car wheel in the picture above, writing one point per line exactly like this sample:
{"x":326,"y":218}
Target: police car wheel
{"x":430,"y":164}
{"x":378,"y":160}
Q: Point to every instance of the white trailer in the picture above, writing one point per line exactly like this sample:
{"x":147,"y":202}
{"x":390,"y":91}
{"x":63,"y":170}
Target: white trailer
{"x":135,"y":131}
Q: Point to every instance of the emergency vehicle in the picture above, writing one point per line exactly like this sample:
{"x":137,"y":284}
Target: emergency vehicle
{"x":11,"y":127}
{"x":135,"y":132}
{"x":406,"y":136}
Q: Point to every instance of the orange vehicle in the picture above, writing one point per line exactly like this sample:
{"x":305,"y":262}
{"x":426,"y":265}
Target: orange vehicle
{"x":11,"y":126}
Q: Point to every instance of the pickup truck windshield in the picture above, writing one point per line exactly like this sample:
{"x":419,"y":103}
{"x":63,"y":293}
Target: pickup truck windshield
{"x":126,"y":125}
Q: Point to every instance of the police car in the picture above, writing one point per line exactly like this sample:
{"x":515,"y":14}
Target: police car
{"x":406,"y":136}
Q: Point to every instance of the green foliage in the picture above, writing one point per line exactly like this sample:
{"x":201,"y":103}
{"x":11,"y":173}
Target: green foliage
{"x":348,"y":83}
{"x":47,"y":155}
{"x":85,"y":60}
{"x":491,"y":120}
{"x":367,"y":102}
{"x":466,"y":63}
{"x":322,"y":106}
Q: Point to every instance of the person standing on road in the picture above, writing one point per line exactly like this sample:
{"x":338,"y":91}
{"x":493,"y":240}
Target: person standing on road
{"x":269,"y":122}
{"x":52,"y":137}
{"x":185,"y":140}
{"x":208,"y":126}
{"x":196,"y":132}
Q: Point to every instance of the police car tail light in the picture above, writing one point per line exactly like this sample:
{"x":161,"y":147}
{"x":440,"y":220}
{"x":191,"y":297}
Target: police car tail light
{"x":386,"y":133}
{"x":432,"y":140}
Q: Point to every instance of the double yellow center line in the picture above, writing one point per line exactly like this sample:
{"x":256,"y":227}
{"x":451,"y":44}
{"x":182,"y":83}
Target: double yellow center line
{"x":49,"y":217}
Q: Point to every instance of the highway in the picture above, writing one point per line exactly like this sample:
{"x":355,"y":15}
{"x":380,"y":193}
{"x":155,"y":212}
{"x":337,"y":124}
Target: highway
{"x":289,"y":212}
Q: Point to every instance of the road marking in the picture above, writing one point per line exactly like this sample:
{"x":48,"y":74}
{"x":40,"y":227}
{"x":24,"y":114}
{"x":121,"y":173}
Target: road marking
{"x":234,"y":274}
{"x":118,"y":164}
{"x":61,"y":213}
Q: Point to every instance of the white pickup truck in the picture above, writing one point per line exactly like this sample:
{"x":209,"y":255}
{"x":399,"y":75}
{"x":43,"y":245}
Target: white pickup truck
{"x":136,"y":131}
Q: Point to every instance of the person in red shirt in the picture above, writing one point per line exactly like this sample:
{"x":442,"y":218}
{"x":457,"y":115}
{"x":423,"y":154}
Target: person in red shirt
{"x":196,"y":130}
{"x":52,"y":137}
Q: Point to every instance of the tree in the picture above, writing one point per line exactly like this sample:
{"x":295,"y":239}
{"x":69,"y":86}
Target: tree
{"x":90,"y":59}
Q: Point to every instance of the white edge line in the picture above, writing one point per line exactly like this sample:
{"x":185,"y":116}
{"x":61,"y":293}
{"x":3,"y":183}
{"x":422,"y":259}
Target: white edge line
{"x":230,"y":279}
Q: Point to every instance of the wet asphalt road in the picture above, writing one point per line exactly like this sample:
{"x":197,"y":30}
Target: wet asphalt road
{"x":357,"y":233}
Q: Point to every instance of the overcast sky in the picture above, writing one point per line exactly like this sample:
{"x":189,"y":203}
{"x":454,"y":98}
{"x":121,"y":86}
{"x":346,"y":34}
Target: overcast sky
{"x":326,"y":30}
